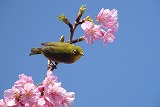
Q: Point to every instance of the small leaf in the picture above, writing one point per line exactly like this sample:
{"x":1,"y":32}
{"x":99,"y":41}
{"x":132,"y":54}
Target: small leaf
{"x":82,"y":9}
{"x":62,"y":18}
{"x":88,"y":18}
{"x":62,"y":38}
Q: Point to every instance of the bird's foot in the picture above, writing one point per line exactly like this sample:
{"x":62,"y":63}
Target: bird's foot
{"x":54,"y":66}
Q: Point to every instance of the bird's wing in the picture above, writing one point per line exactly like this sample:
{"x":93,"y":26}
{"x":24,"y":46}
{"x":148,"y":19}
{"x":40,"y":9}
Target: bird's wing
{"x":49,"y":43}
{"x":55,"y":50}
{"x":49,"y":49}
{"x":56,"y":47}
{"x":58,"y":44}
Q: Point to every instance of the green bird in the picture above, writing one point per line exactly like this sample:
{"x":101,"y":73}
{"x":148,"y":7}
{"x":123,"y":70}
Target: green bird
{"x":59,"y":52}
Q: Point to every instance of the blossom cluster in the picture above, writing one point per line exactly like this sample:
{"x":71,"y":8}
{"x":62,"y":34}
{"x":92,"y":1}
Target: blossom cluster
{"x":108,"y":25}
{"x":48,"y":94}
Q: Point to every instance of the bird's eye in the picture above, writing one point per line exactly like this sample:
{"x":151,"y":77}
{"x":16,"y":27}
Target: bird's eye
{"x":75,"y":52}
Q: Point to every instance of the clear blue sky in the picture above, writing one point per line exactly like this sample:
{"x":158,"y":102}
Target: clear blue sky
{"x":125,"y":73}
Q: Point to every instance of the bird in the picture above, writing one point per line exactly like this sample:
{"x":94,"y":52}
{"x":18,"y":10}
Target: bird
{"x":59,"y":52}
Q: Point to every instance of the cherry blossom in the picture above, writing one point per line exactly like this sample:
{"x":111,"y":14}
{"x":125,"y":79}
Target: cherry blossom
{"x":67,"y":100}
{"x":48,"y":94}
{"x":3,"y":103}
{"x":107,"y":36}
{"x":91,"y":32}
{"x":49,"y":79}
{"x":108,"y":19}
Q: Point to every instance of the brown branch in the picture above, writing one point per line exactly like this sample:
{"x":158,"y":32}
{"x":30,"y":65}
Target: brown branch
{"x":72,"y":32}
{"x":78,"y":39}
{"x":77,"y":22}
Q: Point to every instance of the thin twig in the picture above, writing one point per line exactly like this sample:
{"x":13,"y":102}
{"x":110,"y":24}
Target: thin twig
{"x":76,"y":23}
{"x":72,"y":32}
{"x":78,"y":39}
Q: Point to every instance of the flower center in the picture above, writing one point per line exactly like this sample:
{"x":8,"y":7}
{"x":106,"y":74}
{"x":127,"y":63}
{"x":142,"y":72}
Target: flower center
{"x":17,"y":96}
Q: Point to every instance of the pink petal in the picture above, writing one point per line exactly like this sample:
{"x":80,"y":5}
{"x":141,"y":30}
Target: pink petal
{"x":86,"y":25}
{"x":28,"y":86}
{"x":41,"y":102}
{"x":11,"y":102}
{"x":2,"y":103}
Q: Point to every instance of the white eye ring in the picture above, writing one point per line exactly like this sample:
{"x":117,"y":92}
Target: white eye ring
{"x":75,"y":52}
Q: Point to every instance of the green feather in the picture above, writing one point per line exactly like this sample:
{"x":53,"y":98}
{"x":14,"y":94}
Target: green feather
{"x":60,"y":52}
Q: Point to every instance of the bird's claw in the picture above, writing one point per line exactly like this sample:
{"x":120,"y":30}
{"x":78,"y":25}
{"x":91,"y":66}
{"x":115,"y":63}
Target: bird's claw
{"x":52,"y":65}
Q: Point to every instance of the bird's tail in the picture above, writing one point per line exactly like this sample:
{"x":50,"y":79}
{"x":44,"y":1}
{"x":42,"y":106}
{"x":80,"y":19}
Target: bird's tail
{"x":35,"y":51}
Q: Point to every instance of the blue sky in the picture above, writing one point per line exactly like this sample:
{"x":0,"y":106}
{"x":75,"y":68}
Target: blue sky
{"x":125,"y":73}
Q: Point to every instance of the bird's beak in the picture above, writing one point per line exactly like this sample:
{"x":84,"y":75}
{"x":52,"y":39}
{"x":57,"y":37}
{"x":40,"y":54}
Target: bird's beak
{"x":82,"y":54}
